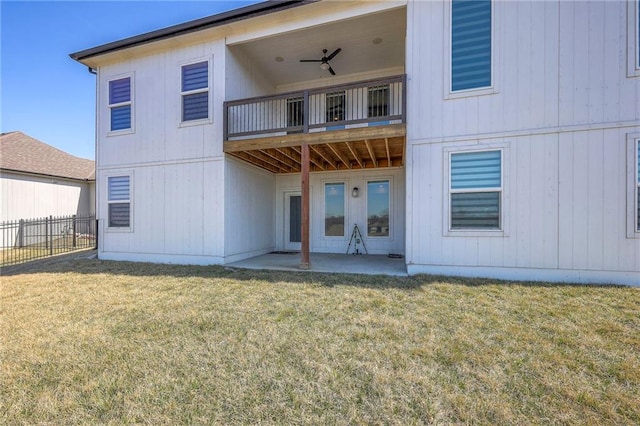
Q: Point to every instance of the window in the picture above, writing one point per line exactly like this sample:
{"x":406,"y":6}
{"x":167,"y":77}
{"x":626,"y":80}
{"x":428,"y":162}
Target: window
{"x":476,"y":190}
{"x":633,"y":188}
{"x":334,"y":209}
{"x":119,"y":201}
{"x":378,"y":101}
{"x":195,"y":91}
{"x":295,"y":114}
{"x":120,"y":104}
{"x":335,"y":106}
{"x":378,"y":208}
{"x":470,"y":44}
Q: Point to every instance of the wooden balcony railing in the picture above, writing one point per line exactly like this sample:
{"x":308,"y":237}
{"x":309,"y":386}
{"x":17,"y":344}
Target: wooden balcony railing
{"x":366,"y":103}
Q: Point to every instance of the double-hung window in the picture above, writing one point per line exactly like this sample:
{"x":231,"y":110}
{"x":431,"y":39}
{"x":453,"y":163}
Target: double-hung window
{"x":119,"y":201}
{"x":471,"y":55}
{"x":633,"y":38}
{"x":195,"y":91}
{"x":476,"y":190}
{"x":120,"y":104}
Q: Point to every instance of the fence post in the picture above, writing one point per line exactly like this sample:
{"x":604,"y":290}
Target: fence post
{"x":97,"y":232}
{"x":21,"y":234}
{"x":50,"y":235}
{"x":74,"y":231}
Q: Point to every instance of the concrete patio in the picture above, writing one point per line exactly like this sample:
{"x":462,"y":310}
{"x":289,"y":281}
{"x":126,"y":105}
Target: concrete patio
{"x":327,"y":262}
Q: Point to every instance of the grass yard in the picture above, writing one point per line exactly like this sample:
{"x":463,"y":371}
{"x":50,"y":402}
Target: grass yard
{"x":96,"y":342}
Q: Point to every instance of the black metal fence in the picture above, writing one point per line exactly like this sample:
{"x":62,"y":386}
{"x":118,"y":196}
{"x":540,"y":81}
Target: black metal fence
{"x":28,"y":239}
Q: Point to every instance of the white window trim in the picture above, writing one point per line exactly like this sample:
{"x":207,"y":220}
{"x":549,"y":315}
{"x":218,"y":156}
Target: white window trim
{"x":504,"y":191}
{"x":633,"y":24}
{"x":633,"y":141}
{"x":131,"y":102}
{"x":324,"y":209}
{"x":182,"y":93}
{"x":119,"y":229}
{"x":392,"y":227}
{"x":493,"y":89}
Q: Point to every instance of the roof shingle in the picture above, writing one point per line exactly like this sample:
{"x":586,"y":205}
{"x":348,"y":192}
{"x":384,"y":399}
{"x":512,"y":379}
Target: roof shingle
{"x":22,"y":153}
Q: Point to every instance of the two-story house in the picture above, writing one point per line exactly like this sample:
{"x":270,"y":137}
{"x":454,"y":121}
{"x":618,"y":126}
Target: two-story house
{"x":478,"y":138}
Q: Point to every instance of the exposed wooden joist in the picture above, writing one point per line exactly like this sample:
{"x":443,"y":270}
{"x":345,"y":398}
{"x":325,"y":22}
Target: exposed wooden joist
{"x":386,"y":144}
{"x":339,"y":154}
{"x":265,"y":158}
{"x":287,"y":153}
{"x":326,"y":158}
{"x":282,"y":159}
{"x":371,"y":153}
{"x":313,"y":160}
{"x":355,"y":155}
{"x":252,"y":160}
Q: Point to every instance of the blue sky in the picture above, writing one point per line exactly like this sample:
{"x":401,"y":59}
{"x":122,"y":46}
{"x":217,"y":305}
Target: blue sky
{"x":46,"y":94}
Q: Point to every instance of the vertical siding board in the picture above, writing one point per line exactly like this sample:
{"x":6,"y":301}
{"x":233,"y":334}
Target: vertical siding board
{"x":596,"y":65}
{"x":551,"y":65}
{"x":550,"y":232}
{"x":613,"y":62}
{"x":565,"y":201}
{"x":524,"y":66}
{"x":537,"y":201}
{"x":523,"y":196}
{"x":595,"y":199}
{"x":614,"y":217}
{"x":506,"y":117}
{"x":566,"y":63}
{"x":580,"y":57}
{"x":580,"y":196}
{"x":538,"y":76}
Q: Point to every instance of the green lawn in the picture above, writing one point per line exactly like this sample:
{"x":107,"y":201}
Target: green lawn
{"x":89,"y":341}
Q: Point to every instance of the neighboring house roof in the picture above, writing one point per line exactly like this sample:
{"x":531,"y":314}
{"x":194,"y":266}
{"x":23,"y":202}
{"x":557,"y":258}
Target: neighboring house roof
{"x":224,"y":18}
{"x":22,"y":153}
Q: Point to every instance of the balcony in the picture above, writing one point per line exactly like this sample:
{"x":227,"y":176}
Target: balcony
{"x":349,"y":126}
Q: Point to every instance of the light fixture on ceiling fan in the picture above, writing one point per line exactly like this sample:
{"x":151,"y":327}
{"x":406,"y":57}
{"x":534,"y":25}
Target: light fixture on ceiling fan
{"x":324,"y":61}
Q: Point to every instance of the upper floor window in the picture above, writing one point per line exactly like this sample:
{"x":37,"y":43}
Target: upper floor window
{"x":378,"y":101}
{"x":335,"y":106}
{"x":195,"y":91}
{"x":119,"y":201}
{"x":476,"y":190}
{"x":295,"y":114}
{"x":470,"y":44}
{"x":120,"y":104}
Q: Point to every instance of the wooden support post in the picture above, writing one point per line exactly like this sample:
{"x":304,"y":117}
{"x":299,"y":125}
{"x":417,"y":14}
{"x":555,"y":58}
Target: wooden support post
{"x":305,"y":263}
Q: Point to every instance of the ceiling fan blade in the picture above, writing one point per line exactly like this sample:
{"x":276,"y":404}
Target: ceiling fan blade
{"x":332,"y":71}
{"x":310,"y":60}
{"x":333,"y":55}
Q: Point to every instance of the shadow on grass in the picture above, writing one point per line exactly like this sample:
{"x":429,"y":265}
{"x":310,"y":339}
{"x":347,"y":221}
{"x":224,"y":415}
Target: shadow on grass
{"x":86,"y":263}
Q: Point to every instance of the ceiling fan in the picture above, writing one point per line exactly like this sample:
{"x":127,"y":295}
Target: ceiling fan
{"x":324,"y":62}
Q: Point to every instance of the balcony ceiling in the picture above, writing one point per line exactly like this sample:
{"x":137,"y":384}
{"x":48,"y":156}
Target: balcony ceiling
{"x":355,"y":36}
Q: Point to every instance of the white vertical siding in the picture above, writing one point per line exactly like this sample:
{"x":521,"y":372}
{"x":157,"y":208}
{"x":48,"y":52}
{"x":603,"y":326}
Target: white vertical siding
{"x":29,"y":197}
{"x":562,"y":107}
{"x":249,"y":211}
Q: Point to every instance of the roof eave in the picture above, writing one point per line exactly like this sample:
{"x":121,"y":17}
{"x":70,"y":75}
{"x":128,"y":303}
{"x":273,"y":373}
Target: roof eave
{"x":270,"y":6}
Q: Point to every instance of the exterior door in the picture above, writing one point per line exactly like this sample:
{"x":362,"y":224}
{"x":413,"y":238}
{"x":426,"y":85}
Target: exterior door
{"x":292,"y":220}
